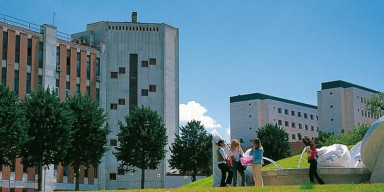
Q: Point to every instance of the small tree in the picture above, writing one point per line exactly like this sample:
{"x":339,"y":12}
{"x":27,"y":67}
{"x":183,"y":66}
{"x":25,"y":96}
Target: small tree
{"x":375,"y":103}
{"x":49,"y":131}
{"x":89,"y":134}
{"x":142,"y":141}
{"x":274,"y":141}
{"x":192,"y":150}
{"x":12,"y":126}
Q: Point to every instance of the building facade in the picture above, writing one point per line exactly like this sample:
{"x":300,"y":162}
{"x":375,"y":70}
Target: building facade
{"x":342,"y":106}
{"x":251,"y":111}
{"x":121,"y":65}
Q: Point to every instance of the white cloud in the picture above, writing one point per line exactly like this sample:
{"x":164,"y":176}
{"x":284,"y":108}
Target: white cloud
{"x":194,"y":111}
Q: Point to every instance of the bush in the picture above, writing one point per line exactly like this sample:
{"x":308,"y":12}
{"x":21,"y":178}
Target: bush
{"x":347,"y":138}
{"x":274,"y":141}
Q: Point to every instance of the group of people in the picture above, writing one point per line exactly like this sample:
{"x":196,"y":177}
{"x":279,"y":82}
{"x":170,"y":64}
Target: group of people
{"x":229,"y":161}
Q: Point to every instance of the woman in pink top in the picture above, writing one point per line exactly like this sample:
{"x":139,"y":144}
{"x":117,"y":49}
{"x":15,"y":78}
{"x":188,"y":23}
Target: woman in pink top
{"x":312,"y":154}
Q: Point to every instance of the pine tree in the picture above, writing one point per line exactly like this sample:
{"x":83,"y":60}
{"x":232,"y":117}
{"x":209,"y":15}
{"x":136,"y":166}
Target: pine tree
{"x":12,"y":126}
{"x":274,"y":141}
{"x":49,"y":130}
{"x":142,"y":141}
{"x":192,"y":150}
{"x":89,"y":134}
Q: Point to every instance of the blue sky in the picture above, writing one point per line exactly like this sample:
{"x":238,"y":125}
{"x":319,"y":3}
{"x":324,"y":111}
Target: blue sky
{"x":281,"y":48}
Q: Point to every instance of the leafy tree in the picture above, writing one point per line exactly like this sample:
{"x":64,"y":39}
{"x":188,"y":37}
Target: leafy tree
{"x":88,"y":130}
{"x":324,"y":139}
{"x":375,"y":104}
{"x":192,"y":150}
{"x":49,"y":131}
{"x":12,"y":126}
{"x":142,"y":140}
{"x":274,"y":141}
{"x":347,"y":138}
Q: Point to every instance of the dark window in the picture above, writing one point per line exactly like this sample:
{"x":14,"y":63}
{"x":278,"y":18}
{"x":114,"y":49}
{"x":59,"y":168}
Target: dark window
{"x":85,"y":171}
{"x":41,"y":47}
{"x":286,"y":111}
{"x":144,"y":92}
{"x":96,"y":172}
{"x":312,"y":128}
{"x":113,"y":106}
{"x":121,"y":101}
{"x":97,"y":95}
{"x":67,"y":85}
{"x":293,"y":113}
{"x":121,"y":70}
{"x":293,"y":136}
{"x":144,"y":63}
{"x":58,"y":56}
{"x":286,"y":123}
{"x":152,"y":61}
{"x":87,"y":91}
{"x":17,"y":49}
{"x":88,"y":67}
{"x":5,"y":44}
{"x":279,"y":110}
{"x":120,"y":171}
{"x":3,"y":76}
{"x":299,"y":114}
{"x":40,"y":81}
{"x":300,"y":127}
{"x":78,"y":65}
{"x":311,"y":116}
{"x":65,"y":171}
{"x":114,"y":75}
{"x":279,"y":122}
{"x":113,"y":142}
{"x":241,"y":141}
{"x":133,"y":65}
{"x":98,"y":67}
{"x":68,"y":68}
{"x":299,"y":136}
{"x":29,"y":52}
{"x":13,"y":165}
{"x":78,"y":88}
{"x":305,"y":115}
{"x":293,"y":125}
{"x":306,"y":127}
{"x":112,"y":176}
{"x":152,"y":88}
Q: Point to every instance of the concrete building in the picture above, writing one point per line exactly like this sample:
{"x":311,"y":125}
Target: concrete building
{"x":342,"y":106}
{"x":251,"y":111}
{"x":120,"y":64}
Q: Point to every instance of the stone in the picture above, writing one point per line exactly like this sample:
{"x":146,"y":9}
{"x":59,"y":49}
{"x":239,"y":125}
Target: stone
{"x":372,"y":150}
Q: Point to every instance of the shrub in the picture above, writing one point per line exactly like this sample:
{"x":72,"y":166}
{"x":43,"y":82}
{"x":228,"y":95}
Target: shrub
{"x":274,"y":141}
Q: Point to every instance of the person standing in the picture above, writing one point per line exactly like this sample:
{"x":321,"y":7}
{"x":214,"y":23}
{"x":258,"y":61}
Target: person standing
{"x":221,"y":162}
{"x":257,"y":158}
{"x":235,"y":152}
{"x":312,"y":153}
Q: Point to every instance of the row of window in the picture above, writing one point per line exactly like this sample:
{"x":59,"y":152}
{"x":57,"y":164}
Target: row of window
{"x":368,"y":114}
{"x":144,"y":92}
{"x":298,"y":114}
{"x":152,"y":61}
{"x":17,"y":50}
{"x":133,"y":28}
{"x":299,"y":125}
{"x":78,"y":63}
{"x":299,"y":136}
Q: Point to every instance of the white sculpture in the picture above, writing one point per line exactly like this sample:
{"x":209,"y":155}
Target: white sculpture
{"x":355,"y":161}
{"x":336,"y":155}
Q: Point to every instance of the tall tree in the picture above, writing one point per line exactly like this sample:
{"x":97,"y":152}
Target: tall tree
{"x":12,"y":126}
{"x":192,"y":150}
{"x":89,"y":129}
{"x":274,"y":141}
{"x":49,"y":130}
{"x":142,"y":140}
{"x":375,"y":104}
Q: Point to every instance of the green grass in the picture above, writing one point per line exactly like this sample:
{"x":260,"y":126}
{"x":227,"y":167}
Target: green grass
{"x":290,"y":162}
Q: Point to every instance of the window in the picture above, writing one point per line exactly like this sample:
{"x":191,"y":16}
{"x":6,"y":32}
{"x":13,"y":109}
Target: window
{"x":317,"y":118}
{"x":29,"y":52}
{"x":85,"y":171}
{"x":57,"y":56}
{"x":279,"y":122}
{"x":293,"y":125}
{"x":41,"y":46}
{"x":78,"y":88}
{"x":97,"y":95}
{"x":68,"y":67}
{"x":39,"y":81}
{"x":311,"y":116}
{"x":98,"y":67}
{"x":88,"y":67}
{"x":305,"y":116}
{"x":120,"y":171}
{"x":306,"y":127}
{"x":17,"y":49}
{"x":299,"y":114}
{"x":5,"y":45}
{"x":362,"y":111}
{"x":330,"y":93}
{"x":312,"y":128}
{"x":65,"y":171}
{"x":300,"y":126}
{"x":112,"y":176}
{"x":365,"y":113}
{"x":286,"y":123}
{"x":293,"y":136}
{"x":152,"y":61}
{"x":331,"y":106}
{"x":114,"y":75}
{"x":67,"y":90}
{"x":299,"y":136}
{"x":144,"y":92}
{"x":121,"y":70}
{"x":362,"y":100}
{"x":144,"y":63}
{"x":113,"y":106}
{"x":121,"y":101}
{"x":279,"y":110}
{"x":152,"y":88}
{"x":28,"y":84}
{"x":286,"y":111}
{"x":78,"y":65}
{"x":96,"y":172}
{"x":16,"y":82}
{"x":113,"y":142}
{"x":293,"y":113}
{"x":241,"y":141}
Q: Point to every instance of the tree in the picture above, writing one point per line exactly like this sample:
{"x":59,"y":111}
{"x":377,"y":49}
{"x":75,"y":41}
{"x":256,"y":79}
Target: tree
{"x":12,"y":126}
{"x":142,"y":141}
{"x":274,"y":141}
{"x":375,"y":104}
{"x":49,"y":131}
{"x":192,"y":150}
{"x":347,"y":138}
{"x":89,"y":134}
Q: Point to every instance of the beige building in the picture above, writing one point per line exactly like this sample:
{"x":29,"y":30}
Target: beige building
{"x":251,"y":111}
{"x":342,"y":106}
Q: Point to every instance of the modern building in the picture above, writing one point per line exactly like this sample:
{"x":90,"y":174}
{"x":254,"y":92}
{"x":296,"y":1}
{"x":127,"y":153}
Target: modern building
{"x":251,"y":111}
{"x":120,"y":64}
{"x":342,"y":106}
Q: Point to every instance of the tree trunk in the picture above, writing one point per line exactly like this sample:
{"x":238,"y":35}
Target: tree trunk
{"x":77,"y":174}
{"x":194,"y":176}
{"x":39,"y":176}
{"x":142,"y":178}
